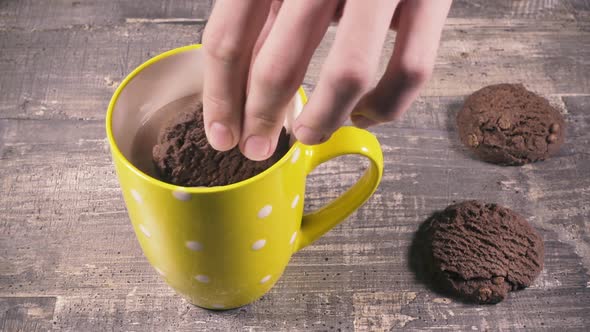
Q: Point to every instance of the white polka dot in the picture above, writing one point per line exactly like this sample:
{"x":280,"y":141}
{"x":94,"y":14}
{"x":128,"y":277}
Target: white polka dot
{"x":258,"y":244}
{"x":136,"y":196}
{"x":181,"y":195}
{"x":217,"y":306}
{"x":265,"y":211}
{"x":295,"y":201}
{"x":160,"y":272}
{"x":194,"y":245}
{"x":295,"y":156}
{"x":202,"y":278}
{"x":293,"y":237}
{"x":265,"y":279}
{"x":144,"y":230}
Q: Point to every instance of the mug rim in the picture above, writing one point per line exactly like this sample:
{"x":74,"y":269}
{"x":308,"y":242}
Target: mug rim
{"x":117,"y":154}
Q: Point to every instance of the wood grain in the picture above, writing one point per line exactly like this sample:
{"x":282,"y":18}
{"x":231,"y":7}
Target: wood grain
{"x":26,"y":313}
{"x":71,"y":73}
{"x":69,"y":259}
{"x":38,"y":15}
{"x":532,"y":9}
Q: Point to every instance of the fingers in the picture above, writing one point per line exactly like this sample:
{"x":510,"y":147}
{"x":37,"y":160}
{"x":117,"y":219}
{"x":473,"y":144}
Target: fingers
{"x":419,"y":24}
{"x":278,"y":70}
{"x":349,"y":69}
{"x":228,"y":41}
{"x":275,"y":6}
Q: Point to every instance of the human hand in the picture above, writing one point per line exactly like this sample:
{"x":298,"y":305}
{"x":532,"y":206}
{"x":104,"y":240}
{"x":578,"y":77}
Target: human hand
{"x":257,"y":52}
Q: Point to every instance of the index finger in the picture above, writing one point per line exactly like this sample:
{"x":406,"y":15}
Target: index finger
{"x":228,"y":41}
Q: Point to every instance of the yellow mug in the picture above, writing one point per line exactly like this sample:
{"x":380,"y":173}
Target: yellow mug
{"x":223,"y":247}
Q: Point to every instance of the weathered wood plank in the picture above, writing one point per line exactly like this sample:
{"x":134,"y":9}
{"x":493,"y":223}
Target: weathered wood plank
{"x":389,"y":309}
{"x":41,"y":15}
{"x":538,"y":9}
{"x":44,"y":15}
{"x":71,"y":73}
{"x":26,"y":313}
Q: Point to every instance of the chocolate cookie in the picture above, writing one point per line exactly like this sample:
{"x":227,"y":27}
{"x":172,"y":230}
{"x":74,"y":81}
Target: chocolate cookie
{"x":481,"y":251}
{"x":506,"y":124}
{"x":183,"y":156}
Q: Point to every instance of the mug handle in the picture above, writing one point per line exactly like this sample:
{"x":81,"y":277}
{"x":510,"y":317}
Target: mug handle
{"x":346,"y":140}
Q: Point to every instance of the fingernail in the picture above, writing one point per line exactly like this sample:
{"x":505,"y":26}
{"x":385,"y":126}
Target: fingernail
{"x":257,"y":148}
{"x":309,"y":136}
{"x":220,"y":137}
{"x":362,"y":121}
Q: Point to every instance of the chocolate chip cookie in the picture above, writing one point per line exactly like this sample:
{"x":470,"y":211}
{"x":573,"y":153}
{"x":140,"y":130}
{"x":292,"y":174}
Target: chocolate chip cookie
{"x":481,"y":252}
{"x":506,"y":124}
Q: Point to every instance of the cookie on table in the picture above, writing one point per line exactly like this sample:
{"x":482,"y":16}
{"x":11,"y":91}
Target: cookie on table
{"x":480,"y":252}
{"x":506,"y":124}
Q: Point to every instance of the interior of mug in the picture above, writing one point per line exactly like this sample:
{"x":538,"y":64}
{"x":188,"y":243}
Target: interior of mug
{"x":150,"y":98}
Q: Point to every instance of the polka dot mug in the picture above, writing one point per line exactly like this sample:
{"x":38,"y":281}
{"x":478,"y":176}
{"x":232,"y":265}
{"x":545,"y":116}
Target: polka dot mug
{"x":223,"y":247}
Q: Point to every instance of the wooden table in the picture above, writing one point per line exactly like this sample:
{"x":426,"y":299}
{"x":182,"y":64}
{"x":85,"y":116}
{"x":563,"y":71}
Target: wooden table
{"x":69,"y":259}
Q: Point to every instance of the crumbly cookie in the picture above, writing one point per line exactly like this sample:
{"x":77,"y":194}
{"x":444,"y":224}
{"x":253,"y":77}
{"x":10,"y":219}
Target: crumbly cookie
{"x":506,"y":124}
{"x":481,"y":251}
{"x":183,"y":156}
